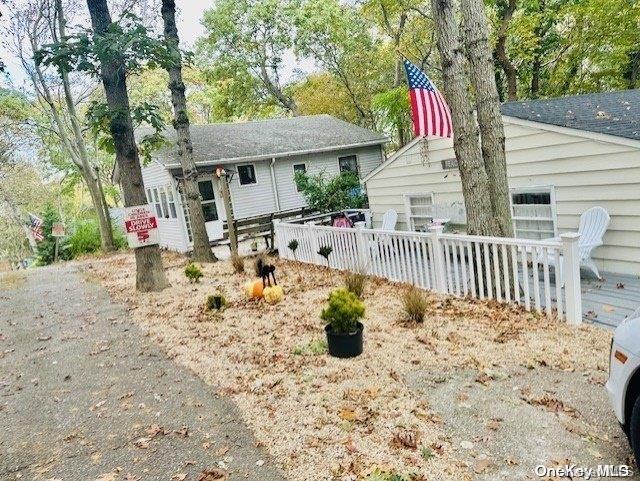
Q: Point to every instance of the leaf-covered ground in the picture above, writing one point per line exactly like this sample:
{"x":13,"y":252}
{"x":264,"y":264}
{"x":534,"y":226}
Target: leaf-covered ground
{"x":442,"y":400}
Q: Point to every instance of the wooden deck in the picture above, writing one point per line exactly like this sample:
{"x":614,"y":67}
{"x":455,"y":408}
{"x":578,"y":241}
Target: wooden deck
{"x":610,"y":300}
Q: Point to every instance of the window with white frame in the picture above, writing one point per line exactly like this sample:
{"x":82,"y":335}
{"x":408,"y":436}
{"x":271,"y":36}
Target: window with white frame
{"x":247,"y":174}
{"x":533,"y":211}
{"x":173,"y":213}
{"x":163,"y":202}
{"x":156,"y":202}
{"x":348,"y":163}
{"x":185,"y":210}
{"x":418,"y":210}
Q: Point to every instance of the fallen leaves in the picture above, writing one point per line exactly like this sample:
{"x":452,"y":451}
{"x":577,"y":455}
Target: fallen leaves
{"x":405,"y":438}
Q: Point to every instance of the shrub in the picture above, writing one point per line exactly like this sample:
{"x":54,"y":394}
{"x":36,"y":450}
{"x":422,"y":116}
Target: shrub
{"x":414,"y":304}
{"x":325,"y":251}
{"x":344,"y":311}
{"x":46,"y":247}
{"x":237,"y":261}
{"x":293,"y":245}
{"x":355,"y":282}
{"x":216,"y":302}
{"x":85,"y":238}
{"x":193,"y":272}
{"x":331,"y":194}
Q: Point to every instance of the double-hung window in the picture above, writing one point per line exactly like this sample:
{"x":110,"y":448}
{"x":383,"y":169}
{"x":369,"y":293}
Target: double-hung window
{"x":163,"y":202}
{"x":418,"y":210}
{"x":172,"y":202}
{"x":247,"y":174}
{"x":156,"y":202}
{"x":533,"y":211}
{"x":348,"y":163}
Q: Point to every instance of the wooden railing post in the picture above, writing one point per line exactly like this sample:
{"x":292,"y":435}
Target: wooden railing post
{"x":438,"y":259}
{"x":571,"y":276}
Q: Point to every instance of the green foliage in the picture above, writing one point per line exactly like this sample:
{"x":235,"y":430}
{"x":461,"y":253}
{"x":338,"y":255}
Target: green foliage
{"x":415,"y":304}
{"x":379,"y":475}
{"x":45,"y":253}
{"x":193,"y":272}
{"x":344,"y":311}
{"x":356,"y":282}
{"x":393,"y":109}
{"x":85,"y":238}
{"x":315,"y":347}
{"x":216,"y":302}
{"x":329,"y":195}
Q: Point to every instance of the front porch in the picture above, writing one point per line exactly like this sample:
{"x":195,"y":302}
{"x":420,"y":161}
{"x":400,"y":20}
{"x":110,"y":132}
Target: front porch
{"x":610,"y":300}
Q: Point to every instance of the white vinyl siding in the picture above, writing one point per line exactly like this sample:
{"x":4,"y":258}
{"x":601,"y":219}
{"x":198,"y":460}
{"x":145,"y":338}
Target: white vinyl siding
{"x":584,"y":172}
{"x":172,"y":231}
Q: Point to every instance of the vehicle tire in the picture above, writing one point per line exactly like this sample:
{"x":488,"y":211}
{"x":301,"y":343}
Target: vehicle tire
{"x":634,"y":430}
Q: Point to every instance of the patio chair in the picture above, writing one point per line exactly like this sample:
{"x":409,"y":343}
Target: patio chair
{"x":593,"y":224}
{"x":389,"y":220}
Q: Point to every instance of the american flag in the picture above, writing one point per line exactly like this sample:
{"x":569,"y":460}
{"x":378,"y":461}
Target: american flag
{"x":429,"y":111}
{"x":35,"y":225}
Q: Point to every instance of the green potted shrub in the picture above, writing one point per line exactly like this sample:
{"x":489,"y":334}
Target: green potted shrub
{"x":325,"y":251}
{"x":344,"y":331}
{"x":193,"y":273}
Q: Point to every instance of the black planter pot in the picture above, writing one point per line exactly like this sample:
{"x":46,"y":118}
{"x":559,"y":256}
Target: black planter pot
{"x":344,"y":345}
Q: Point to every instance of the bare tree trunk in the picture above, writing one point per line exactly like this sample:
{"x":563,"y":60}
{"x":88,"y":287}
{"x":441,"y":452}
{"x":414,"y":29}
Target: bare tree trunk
{"x":106,"y":234}
{"x":475,"y":184}
{"x":489,"y":115}
{"x":201,"y":248}
{"x":510,"y":72}
{"x":150,"y":274}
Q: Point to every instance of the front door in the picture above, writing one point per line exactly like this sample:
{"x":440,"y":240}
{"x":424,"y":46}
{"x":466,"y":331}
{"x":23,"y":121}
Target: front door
{"x":210,"y":209}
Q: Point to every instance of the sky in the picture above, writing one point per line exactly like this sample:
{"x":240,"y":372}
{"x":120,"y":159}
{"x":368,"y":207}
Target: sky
{"x":190,"y":28}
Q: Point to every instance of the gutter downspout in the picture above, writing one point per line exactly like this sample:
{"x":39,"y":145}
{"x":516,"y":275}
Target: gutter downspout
{"x":274,"y":185}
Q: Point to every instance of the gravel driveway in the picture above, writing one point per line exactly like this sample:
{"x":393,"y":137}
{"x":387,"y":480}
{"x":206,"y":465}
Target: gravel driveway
{"x":85,"y":395}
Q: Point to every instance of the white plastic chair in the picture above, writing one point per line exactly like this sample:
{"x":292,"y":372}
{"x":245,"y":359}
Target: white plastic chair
{"x":389,"y":220}
{"x":593,"y":225}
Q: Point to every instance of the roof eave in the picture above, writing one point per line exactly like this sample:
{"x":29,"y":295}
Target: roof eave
{"x":253,"y":158}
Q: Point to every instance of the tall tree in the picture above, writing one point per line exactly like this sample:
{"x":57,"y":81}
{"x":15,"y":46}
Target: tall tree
{"x":506,"y":9}
{"x":475,"y":182}
{"x":201,"y":248}
{"x":483,"y":81}
{"x":150,"y":274}
{"x":34,"y":23}
{"x":254,"y":36}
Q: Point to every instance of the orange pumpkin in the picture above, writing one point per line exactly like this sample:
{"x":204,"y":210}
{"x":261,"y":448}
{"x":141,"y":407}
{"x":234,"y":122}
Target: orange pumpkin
{"x":254,"y":289}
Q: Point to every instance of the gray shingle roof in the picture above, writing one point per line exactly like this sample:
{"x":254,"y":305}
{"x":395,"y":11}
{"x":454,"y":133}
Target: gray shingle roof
{"x":613,"y":113}
{"x":269,"y":138}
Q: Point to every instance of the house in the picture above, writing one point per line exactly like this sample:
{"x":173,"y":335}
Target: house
{"x":564,"y":155}
{"x":263,"y":157}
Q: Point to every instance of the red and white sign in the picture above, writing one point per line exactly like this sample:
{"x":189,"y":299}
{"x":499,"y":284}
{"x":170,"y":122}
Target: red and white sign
{"x":141,"y":226}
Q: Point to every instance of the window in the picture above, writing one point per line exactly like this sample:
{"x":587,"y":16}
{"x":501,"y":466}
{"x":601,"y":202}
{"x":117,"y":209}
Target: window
{"x":163,"y":203}
{"x":533,"y":212}
{"x":156,"y":201}
{"x":207,"y":194}
{"x":299,"y":168}
{"x":172,"y":202}
{"x":348,"y":163}
{"x":247,"y":174}
{"x":418,"y":209}
{"x":185,"y":210}
{"x":149,"y":198}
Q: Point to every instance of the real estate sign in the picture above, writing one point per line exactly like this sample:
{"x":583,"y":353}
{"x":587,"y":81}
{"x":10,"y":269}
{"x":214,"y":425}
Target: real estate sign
{"x":141,"y":226}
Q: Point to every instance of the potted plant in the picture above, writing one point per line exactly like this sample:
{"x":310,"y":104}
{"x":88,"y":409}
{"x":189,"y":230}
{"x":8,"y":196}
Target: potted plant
{"x":344,"y":331}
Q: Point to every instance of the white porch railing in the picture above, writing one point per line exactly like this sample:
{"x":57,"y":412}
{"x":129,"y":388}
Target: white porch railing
{"x":504,"y":269}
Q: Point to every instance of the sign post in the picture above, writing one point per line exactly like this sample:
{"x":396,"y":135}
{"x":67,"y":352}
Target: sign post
{"x":141,"y":226}
{"x":57,"y":231}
